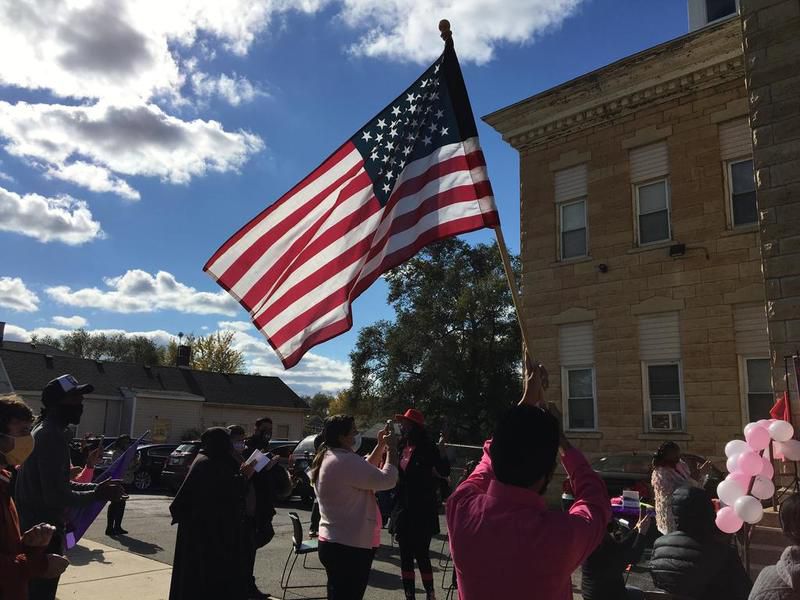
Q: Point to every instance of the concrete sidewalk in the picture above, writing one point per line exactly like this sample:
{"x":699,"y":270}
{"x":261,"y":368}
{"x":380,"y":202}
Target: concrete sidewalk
{"x":100,"y":572}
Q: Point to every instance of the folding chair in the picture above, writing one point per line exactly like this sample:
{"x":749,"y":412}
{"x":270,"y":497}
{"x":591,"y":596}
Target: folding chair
{"x":299,"y":548}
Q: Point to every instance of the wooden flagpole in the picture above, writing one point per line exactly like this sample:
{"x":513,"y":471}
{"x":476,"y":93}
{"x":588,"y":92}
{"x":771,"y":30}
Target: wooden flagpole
{"x":447,"y":36}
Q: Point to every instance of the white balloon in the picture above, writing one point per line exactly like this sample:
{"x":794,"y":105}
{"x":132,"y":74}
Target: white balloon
{"x":736,"y":447}
{"x":732,"y":463}
{"x":791,"y":449}
{"x":750,"y":426}
{"x":729,"y":491}
{"x":781,"y":431}
{"x":749,"y":510}
{"x":763,"y":488}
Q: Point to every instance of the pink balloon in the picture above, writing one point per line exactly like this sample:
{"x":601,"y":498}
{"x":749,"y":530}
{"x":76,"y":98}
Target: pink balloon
{"x":740,"y":478}
{"x":728,"y":521}
{"x":758,"y":438}
{"x":750,"y":463}
{"x":768,"y":471}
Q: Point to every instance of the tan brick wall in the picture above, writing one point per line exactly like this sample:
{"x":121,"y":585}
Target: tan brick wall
{"x":771,"y":31}
{"x":704,"y":288}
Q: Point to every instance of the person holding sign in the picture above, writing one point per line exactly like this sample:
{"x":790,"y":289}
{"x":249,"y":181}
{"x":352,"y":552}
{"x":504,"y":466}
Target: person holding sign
{"x":504,"y":541}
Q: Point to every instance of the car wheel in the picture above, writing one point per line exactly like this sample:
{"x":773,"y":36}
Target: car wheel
{"x":142,"y":481}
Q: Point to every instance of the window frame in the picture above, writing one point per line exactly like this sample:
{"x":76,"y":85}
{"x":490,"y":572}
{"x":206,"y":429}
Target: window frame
{"x":744,"y":383}
{"x":648,"y":408}
{"x":565,"y":396}
{"x":728,"y":169}
{"x":278,"y":431}
{"x":560,"y":208}
{"x":708,"y":20}
{"x":638,"y":214}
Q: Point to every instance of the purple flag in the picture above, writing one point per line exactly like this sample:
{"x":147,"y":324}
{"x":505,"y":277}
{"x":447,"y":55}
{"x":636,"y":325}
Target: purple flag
{"x":80,"y":519}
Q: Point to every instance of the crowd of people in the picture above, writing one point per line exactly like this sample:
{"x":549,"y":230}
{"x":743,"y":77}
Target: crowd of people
{"x":504,"y":540}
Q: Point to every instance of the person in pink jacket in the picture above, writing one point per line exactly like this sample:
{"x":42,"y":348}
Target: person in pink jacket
{"x":349,"y":527}
{"x":504,"y":541}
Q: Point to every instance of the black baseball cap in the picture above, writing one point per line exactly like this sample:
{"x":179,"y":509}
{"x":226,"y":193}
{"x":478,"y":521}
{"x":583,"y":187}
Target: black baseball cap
{"x":61,"y":387}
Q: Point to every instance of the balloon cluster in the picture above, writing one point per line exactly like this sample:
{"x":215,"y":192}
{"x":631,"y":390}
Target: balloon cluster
{"x":750,"y":472}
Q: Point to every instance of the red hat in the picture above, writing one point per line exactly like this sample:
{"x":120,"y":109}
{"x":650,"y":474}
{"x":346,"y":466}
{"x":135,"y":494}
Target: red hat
{"x":413,"y":415}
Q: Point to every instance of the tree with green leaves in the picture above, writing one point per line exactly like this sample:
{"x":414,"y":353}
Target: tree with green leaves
{"x":116,"y":347}
{"x":213,"y":352}
{"x":453,"y":350}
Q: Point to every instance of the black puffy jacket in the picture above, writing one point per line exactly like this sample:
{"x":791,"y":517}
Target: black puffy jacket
{"x":694,"y":561}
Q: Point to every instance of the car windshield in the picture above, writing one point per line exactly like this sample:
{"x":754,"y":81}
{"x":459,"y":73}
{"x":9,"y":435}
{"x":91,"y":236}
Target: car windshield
{"x":307,"y":445}
{"x":185,"y":448}
{"x":623,"y":463}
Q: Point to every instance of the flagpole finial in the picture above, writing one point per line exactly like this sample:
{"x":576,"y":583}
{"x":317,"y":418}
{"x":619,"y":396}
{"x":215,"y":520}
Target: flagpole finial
{"x":444,"y":29}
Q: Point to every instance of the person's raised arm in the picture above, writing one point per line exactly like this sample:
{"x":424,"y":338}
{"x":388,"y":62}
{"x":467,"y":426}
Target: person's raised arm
{"x":364,"y":475}
{"x":591,"y":510}
{"x":375,"y":458}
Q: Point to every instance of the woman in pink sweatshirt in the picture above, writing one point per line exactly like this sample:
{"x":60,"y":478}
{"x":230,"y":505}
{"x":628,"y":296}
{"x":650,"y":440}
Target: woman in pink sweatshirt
{"x":349,"y":520}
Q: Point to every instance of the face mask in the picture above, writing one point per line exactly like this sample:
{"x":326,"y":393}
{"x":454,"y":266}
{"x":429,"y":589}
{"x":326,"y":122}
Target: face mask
{"x":70,"y":413}
{"x":23,"y":446}
{"x":357,"y":442}
{"x":238,"y":446}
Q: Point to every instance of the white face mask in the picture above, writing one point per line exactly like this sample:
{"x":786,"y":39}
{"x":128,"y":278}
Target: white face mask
{"x":357,"y":442}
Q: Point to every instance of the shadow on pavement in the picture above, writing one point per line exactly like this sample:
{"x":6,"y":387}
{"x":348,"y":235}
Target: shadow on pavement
{"x":138,"y":546}
{"x":80,"y":556}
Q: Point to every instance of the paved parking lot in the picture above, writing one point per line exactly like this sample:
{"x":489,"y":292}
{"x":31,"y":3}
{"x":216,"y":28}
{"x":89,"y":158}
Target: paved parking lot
{"x":150,"y":535}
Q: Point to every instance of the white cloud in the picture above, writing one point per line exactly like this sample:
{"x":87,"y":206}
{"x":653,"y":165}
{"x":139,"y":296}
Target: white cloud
{"x":130,"y":140}
{"x":6,"y":177}
{"x":243,"y":326}
{"x":62,"y":219}
{"x":138,"y":291}
{"x":235,"y":90}
{"x":94,"y":178}
{"x":15,"y":295}
{"x":407,"y":30}
{"x":75,"y":322}
{"x":313,"y":374}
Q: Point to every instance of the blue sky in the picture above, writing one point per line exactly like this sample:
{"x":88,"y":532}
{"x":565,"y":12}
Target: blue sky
{"x":135,"y":138}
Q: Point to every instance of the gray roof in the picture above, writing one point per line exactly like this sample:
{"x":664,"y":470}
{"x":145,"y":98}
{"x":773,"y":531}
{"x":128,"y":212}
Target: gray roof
{"x":32,"y":370}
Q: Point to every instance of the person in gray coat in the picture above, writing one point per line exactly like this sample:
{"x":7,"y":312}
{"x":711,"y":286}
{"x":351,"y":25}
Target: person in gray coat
{"x":782,"y":580}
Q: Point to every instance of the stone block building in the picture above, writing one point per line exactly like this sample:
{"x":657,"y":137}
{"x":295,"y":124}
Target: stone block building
{"x":642,"y":284}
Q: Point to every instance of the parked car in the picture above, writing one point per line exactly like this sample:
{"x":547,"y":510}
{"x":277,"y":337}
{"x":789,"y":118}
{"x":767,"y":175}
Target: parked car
{"x":177,"y":466}
{"x":148,"y":465}
{"x":76,"y":445}
{"x":631,"y":471}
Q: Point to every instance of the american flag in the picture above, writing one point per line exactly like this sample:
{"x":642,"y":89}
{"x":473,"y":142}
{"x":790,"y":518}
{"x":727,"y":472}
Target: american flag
{"x":412,"y":175}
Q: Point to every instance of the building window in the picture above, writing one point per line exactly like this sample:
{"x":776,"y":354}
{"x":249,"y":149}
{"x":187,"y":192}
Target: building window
{"x":652,"y":208}
{"x":662,"y":387}
{"x":282,"y":432}
{"x":719,"y":9}
{"x":578,"y":385}
{"x":758,"y":387}
{"x":742,"y":186}
{"x":572,"y":220}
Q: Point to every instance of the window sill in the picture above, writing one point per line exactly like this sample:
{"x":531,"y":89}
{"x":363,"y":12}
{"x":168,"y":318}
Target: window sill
{"x":670,"y":435}
{"x":741,"y":230}
{"x":583,"y":434}
{"x":657,"y":246}
{"x":571,"y":261}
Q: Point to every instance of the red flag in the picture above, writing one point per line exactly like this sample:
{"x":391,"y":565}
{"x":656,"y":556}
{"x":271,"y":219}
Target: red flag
{"x":412,"y":175}
{"x":782,"y":409}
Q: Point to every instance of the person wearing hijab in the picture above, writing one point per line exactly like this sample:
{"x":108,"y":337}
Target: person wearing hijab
{"x":781,"y":581}
{"x":209,"y":509}
{"x":695,"y":561}
{"x":349,"y":528}
{"x":415,"y":517}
